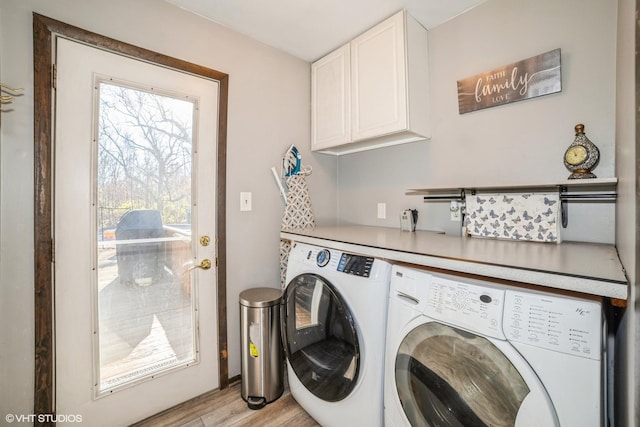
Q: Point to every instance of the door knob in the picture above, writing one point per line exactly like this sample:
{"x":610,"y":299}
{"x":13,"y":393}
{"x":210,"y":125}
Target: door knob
{"x":205,"y":264}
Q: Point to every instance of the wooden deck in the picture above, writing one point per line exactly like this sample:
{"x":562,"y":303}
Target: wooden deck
{"x":143,"y":329}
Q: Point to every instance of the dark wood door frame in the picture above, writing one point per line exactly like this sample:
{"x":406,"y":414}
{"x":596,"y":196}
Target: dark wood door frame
{"x":45,"y":30}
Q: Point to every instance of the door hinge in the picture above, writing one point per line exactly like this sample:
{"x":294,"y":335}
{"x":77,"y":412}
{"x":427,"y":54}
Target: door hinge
{"x":54,"y":76}
{"x":216,"y":262}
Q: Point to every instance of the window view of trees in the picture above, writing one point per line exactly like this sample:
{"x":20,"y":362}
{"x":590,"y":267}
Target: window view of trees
{"x":144,"y":175}
{"x":144,"y":155}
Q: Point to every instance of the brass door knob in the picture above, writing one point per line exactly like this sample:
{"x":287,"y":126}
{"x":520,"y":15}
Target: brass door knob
{"x":205,"y":264}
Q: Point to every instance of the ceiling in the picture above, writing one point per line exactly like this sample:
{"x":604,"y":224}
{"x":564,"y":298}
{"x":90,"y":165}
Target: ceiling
{"x":308,"y":29}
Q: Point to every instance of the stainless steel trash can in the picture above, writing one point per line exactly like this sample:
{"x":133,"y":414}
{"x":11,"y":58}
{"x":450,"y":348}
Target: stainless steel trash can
{"x":262,"y":354}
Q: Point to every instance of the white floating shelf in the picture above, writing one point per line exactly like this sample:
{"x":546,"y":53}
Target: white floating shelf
{"x":568,"y":184}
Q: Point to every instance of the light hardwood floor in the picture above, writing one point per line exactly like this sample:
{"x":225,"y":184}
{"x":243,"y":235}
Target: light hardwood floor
{"x":222,"y":408}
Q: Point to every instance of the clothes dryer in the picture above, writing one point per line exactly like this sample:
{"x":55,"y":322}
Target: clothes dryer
{"x":333,"y":318}
{"x":463,"y":352}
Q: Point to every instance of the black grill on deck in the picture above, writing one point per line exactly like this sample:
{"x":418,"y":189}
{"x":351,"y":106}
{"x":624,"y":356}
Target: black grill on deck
{"x":138,"y":261}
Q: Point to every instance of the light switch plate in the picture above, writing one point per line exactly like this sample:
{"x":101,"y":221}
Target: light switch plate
{"x":245,"y":201}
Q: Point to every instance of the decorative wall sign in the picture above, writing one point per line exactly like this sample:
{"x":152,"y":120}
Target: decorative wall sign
{"x":529,"y":78}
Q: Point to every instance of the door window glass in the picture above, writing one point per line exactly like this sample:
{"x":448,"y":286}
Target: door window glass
{"x":145,"y":316}
{"x":448,"y":377}
{"x":321,"y":341}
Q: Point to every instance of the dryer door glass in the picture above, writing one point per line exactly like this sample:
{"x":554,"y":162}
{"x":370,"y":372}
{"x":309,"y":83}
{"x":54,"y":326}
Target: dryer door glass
{"x":320,"y":337}
{"x":449,"y":377}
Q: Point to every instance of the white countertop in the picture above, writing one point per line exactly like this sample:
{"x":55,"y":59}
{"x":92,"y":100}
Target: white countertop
{"x":590,"y":268}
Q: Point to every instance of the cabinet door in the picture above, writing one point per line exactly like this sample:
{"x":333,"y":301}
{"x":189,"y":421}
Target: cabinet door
{"x":378,"y":78}
{"x":331,"y":100}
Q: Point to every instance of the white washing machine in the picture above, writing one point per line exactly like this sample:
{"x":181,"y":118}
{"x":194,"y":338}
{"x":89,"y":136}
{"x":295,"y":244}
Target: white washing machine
{"x":464,"y":352}
{"x":333,"y":320}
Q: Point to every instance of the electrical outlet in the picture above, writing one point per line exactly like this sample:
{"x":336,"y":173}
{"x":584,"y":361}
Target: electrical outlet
{"x":382,"y":210}
{"x":455,"y":210}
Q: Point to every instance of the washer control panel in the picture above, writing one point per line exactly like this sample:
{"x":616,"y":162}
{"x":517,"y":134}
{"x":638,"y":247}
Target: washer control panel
{"x":568,"y":325}
{"x":355,"y":264}
{"x":474,"y":307}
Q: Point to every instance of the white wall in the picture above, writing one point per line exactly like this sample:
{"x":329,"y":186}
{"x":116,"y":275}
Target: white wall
{"x":268,"y":111}
{"x":519,"y":142}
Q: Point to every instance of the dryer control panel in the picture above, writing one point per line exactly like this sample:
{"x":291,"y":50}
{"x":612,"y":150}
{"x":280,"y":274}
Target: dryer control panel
{"x":474,"y":307}
{"x":568,"y":325}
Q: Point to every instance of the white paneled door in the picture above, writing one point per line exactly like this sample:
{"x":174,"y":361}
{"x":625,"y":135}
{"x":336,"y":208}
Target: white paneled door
{"x":134,"y":221}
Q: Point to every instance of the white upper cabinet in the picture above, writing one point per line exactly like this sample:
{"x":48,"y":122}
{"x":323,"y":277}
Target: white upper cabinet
{"x":374,"y":91}
{"x":331,"y":94}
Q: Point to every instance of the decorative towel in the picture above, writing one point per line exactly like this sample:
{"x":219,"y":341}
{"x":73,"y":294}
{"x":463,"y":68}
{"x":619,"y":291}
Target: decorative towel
{"x":517,"y":216}
{"x":297,"y":214}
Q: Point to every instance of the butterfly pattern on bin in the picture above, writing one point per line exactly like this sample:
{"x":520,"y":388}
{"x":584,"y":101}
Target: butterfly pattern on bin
{"x":516,"y":216}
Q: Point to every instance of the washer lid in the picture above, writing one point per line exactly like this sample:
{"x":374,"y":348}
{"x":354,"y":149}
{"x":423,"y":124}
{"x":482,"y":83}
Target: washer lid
{"x":447,"y":376}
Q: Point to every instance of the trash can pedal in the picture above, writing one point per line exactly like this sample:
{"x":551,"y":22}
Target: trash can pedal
{"x":254,"y":402}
